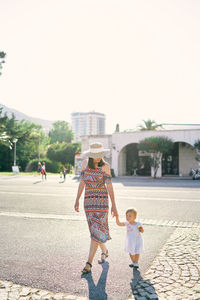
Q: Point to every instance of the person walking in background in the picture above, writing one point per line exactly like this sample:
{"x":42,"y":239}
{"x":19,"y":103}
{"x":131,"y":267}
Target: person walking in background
{"x":43,"y":171}
{"x":96,"y":179}
{"x":39,"y":167}
{"x":134,"y":242}
{"x":64,"y":173}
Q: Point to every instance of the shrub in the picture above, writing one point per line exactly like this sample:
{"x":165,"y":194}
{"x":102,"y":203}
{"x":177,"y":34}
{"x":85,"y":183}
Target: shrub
{"x":51,"y":166}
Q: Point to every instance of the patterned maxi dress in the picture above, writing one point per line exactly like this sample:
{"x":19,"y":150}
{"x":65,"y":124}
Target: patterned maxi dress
{"x":96,"y":203}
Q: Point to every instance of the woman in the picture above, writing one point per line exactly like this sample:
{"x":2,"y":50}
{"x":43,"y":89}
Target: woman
{"x":96,"y":178}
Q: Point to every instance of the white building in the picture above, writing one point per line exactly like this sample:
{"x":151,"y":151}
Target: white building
{"x":87,"y":123}
{"x":125,"y":158}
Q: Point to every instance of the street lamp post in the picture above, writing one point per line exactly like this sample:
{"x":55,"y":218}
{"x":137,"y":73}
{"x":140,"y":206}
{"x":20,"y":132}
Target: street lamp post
{"x":39,"y":148}
{"x":15,"y":141}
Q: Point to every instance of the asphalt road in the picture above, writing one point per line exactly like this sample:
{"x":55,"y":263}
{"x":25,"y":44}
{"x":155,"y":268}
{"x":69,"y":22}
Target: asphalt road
{"x":44,"y":243}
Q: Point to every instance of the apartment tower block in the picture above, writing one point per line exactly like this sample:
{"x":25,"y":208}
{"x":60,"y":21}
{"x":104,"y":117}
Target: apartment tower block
{"x":87,"y":123}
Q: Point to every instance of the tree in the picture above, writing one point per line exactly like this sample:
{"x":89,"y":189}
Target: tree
{"x":60,"y":133}
{"x":63,"y":152}
{"x":157,"y":146}
{"x":27,"y":145}
{"x":117,"y":128}
{"x":2,"y":61}
{"x":4,"y":137}
{"x":41,"y":140}
{"x":149,"y":125}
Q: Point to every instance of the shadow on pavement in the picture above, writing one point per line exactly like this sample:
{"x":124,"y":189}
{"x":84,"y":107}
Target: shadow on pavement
{"x":37,"y":182}
{"x":141,"y":287}
{"x":62,"y":181}
{"x":178,"y":182}
{"x":76,"y":178}
{"x":138,"y":181}
{"x":97,"y":291}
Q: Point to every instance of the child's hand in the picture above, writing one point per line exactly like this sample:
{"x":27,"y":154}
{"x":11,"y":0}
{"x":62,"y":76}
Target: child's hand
{"x":140,"y":228}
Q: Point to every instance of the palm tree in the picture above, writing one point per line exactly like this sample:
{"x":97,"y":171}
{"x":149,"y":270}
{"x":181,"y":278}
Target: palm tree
{"x":149,"y":125}
{"x":2,"y":61}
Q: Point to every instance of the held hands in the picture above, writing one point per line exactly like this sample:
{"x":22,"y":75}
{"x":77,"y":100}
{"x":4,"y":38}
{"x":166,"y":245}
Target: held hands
{"x":114,"y":212}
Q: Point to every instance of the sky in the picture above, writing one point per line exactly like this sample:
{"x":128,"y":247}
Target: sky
{"x":132,"y":60}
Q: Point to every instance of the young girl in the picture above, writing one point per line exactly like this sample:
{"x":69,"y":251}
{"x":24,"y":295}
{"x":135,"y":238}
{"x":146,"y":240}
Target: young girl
{"x":134,"y":241}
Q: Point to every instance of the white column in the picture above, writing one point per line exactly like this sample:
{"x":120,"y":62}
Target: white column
{"x":159,"y":171}
{"x":115,"y":161}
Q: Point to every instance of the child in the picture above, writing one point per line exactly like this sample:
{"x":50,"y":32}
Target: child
{"x":134,"y":241}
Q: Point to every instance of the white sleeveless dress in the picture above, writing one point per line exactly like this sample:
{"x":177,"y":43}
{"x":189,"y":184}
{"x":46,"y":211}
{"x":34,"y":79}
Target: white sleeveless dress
{"x":134,"y":242}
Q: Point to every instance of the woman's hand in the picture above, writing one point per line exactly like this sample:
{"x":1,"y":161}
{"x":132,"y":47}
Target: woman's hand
{"x":114,"y":212}
{"x":76,"y":206}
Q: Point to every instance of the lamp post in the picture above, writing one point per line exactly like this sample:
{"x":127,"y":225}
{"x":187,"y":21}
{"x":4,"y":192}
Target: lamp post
{"x":39,"y":148}
{"x":15,"y":141}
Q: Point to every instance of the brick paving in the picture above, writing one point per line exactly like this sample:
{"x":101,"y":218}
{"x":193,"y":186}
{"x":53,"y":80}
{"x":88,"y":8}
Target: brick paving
{"x":173,"y":275}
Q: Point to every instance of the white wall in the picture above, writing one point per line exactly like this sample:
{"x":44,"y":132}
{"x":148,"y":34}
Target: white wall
{"x":118,"y":141}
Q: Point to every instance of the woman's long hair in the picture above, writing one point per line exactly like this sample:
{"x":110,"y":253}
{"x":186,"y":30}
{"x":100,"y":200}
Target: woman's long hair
{"x":91,"y":163}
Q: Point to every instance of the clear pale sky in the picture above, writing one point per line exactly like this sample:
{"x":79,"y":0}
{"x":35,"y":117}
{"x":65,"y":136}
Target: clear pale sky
{"x":131,"y":60}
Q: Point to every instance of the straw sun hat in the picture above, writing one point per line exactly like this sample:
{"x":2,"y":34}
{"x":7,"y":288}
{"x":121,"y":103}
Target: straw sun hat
{"x":96,"y":150}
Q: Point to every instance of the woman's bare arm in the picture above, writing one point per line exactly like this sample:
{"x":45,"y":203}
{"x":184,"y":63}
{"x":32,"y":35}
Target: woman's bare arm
{"x":109,"y":186}
{"x":80,"y":188}
{"x":118,"y":222}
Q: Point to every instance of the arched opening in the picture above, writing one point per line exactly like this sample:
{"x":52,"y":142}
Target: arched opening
{"x":179,"y":160}
{"x":170,"y":161}
{"x":131,"y":162}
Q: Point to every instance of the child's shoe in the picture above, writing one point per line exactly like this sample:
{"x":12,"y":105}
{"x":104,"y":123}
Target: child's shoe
{"x":134,"y":265}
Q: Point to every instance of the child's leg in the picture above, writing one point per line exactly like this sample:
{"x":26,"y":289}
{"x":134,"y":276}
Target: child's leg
{"x":132,"y":257}
{"x":135,"y":258}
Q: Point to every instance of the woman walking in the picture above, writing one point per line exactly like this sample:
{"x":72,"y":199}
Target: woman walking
{"x":96,"y":179}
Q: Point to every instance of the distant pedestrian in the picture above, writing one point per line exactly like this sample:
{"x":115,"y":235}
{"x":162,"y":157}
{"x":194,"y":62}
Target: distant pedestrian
{"x":64,"y":173}
{"x":39,"y":167}
{"x":134,"y":242}
{"x":43,"y":171}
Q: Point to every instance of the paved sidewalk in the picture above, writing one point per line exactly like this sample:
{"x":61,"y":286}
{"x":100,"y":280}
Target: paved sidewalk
{"x":173,"y":275}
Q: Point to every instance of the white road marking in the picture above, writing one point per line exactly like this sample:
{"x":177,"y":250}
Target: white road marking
{"x":169,"y":223}
{"x":116,"y":196}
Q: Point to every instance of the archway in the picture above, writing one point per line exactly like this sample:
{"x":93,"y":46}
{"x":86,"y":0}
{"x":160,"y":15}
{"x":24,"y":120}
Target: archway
{"x":132,"y":162}
{"x":170,"y":161}
{"x":179,"y":160}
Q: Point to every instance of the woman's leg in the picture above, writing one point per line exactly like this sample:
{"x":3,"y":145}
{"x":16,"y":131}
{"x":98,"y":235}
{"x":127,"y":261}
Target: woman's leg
{"x":104,"y":253}
{"x":93,"y":249}
{"x":103,"y":248}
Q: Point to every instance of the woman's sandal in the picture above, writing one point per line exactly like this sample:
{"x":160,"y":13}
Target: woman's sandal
{"x":85,"y":270}
{"x":103,"y":257}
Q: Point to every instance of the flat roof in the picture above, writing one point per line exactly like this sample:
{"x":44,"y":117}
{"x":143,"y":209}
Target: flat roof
{"x":87,"y":113}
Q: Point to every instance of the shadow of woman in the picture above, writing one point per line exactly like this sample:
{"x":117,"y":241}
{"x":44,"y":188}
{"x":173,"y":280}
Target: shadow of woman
{"x":142,"y":287}
{"x":97,"y":292}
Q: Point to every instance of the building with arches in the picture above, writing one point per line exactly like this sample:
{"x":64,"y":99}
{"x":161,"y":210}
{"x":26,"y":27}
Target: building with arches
{"x":126,"y":160}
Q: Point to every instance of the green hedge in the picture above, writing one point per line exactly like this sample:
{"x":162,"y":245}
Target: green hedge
{"x":51,"y":166}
